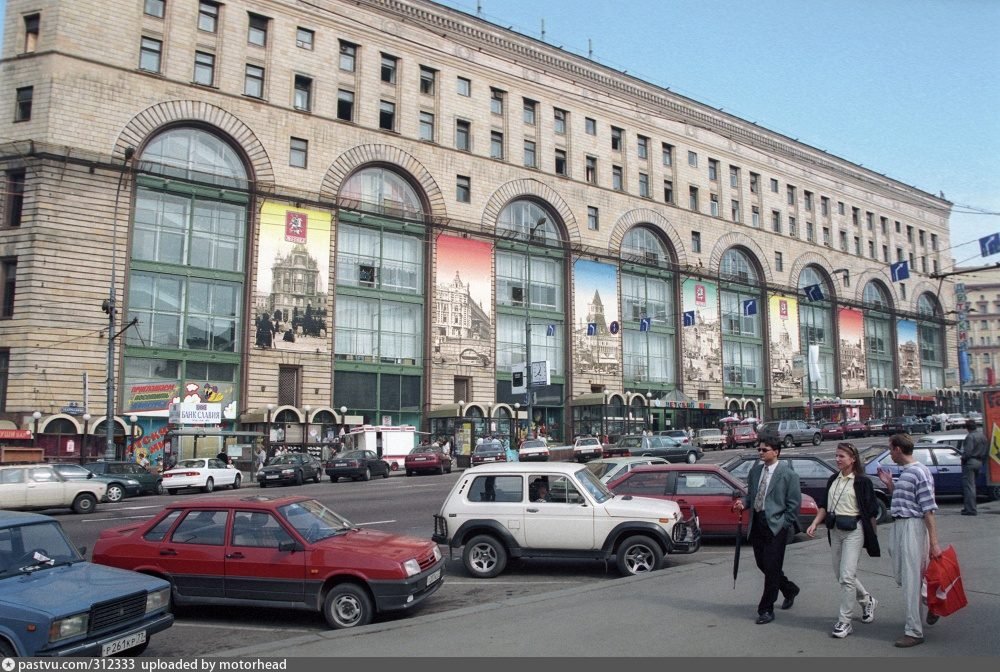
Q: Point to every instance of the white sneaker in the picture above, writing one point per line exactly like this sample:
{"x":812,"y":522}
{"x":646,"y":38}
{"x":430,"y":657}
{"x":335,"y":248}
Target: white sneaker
{"x":868,"y":609}
{"x":842,"y":630}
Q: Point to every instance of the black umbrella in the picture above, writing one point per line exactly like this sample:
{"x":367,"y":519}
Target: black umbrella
{"x":739,"y":544}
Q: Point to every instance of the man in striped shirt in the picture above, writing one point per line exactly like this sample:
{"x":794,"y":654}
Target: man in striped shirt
{"x":913,"y":536}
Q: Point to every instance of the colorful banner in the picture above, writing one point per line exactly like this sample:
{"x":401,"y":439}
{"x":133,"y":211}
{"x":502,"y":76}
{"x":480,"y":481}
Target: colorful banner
{"x":853,"y":372}
{"x":702,"y":340}
{"x":908,"y":354}
{"x":783,"y":320}
{"x":463,"y":322}
{"x":596,"y":344}
{"x":150,"y":396}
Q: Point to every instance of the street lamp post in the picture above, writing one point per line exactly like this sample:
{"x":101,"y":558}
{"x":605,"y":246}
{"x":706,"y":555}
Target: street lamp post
{"x":305,"y":432}
{"x":133,"y":419}
{"x":267,"y":430}
{"x":83,"y":439}
{"x":649,"y":412}
{"x":37,"y":415}
{"x":517,"y":421}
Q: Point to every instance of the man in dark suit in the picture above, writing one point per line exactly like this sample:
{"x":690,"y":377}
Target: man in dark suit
{"x":773,"y":498}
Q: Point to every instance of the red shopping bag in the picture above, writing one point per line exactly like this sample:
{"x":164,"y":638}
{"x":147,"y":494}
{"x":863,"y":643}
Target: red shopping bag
{"x":945,"y":594}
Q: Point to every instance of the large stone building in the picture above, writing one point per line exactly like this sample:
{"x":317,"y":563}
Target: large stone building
{"x":392,"y":147}
{"x":982,"y":292}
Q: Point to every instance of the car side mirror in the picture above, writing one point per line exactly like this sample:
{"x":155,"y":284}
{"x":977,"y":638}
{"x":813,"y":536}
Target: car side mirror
{"x":82,"y":550}
{"x":290,"y":546}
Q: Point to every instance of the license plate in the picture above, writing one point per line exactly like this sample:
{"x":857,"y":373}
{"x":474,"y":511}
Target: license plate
{"x":432,"y":578}
{"x":272,"y":476}
{"x":119,"y":645}
{"x":419,"y":459}
{"x":340,"y":464}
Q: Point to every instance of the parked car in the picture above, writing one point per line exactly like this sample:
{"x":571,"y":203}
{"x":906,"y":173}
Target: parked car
{"x":533,"y":450}
{"x":39,"y":486}
{"x":975,"y":416}
{"x":206,"y":473}
{"x":357,"y":464}
{"x":854,"y":429}
{"x":290,"y":468}
{"x":740,"y":436}
{"x":945,"y":465}
{"x":676,"y":434}
{"x":489,"y":451}
{"x":709,"y":439}
{"x":876,"y":426}
{"x":286,"y":552}
{"x":117,"y":488}
{"x":956,"y":421}
{"x":427,"y":458}
{"x":832,"y":430}
{"x":581,"y":519}
{"x":788,"y":433}
{"x":149,"y":483}
{"x":706,"y":488}
{"x":587,"y":448}
{"x":813,"y":473}
{"x":55,"y":603}
{"x":661,"y":446}
{"x":610,"y":468}
{"x":906,"y":424}
{"x":955,"y":439}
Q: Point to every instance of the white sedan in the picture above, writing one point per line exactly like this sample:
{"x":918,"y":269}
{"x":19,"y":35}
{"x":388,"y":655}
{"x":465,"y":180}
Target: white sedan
{"x":206,"y":473}
{"x":609,"y":468}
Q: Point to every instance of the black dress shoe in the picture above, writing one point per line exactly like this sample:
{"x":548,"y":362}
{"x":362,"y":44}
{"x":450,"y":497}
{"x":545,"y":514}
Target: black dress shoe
{"x":788,"y":602}
{"x":766,"y":617}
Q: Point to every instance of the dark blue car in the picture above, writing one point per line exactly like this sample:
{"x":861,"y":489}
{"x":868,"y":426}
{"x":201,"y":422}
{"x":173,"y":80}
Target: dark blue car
{"x":945,"y":464}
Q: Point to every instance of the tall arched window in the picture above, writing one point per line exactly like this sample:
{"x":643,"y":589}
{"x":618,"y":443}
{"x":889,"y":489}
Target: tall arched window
{"x":187,"y":274}
{"x":742,"y":333}
{"x":816,"y":328}
{"x":648,"y":290}
{"x":931,"y":341}
{"x":378,"y":346}
{"x":878,"y":335}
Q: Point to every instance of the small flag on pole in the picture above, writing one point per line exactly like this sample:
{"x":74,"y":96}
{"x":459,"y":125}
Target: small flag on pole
{"x":550,"y":330}
{"x":899,"y":271}
{"x":814,"y":292}
{"x":990,"y":244}
{"x":592,"y":328}
{"x":750,"y":307}
{"x":688,"y":318}
{"x":644,"y":323}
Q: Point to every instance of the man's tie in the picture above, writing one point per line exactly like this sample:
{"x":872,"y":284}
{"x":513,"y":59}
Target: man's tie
{"x":758,"y":502}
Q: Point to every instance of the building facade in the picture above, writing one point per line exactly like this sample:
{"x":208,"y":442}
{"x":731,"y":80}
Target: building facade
{"x":982,"y":291}
{"x":377,"y":211}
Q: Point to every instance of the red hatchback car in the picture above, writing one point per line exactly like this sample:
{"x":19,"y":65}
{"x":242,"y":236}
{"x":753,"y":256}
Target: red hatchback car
{"x":832,"y":430}
{"x":706,"y":487}
{"x":427,"y":458}
{"x":280,"y":552}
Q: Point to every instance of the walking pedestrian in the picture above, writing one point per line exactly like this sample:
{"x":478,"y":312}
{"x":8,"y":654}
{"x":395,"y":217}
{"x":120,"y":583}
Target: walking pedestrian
{"x":850,"y":510}
{"x":913,"y":536}
{"x":974,"y":450}
{"x":775,"y":496}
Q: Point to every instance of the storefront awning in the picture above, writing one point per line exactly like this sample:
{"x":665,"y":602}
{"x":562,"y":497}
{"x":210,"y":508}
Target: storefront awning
{"x":590,"y":399}
{"x":446,"y":411}
{"x":866,"y":393}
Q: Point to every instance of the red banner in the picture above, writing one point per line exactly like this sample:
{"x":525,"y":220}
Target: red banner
{"x":15,"y":434}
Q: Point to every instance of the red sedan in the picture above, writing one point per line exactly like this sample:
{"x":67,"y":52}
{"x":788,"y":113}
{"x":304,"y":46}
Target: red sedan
{"x":832,"y":430}
{"x":282,"y":552}
{"x":427,"y":458}
{"x":706,"y":487}
{"x":854,"y":428}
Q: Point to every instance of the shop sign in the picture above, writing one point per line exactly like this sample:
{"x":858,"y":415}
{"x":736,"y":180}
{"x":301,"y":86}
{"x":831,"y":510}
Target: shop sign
{"x":195,"y":414}
{"x":15,"y":434}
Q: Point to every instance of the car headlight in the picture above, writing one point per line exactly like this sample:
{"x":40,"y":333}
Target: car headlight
{"x":68,"y":627}
{"x":287,"y":471}
{"x":437,"y":554}
{"x":412,"y":567}
{"x":157,"y":599}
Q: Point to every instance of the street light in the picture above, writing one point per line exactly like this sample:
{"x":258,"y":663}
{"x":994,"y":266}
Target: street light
{"x":649,"y":412}
{"x":134,"y":419}
{"x":517,"y":421}
{"x":37,"y":415}
{"x":305,"y":433}
{"x":267,"y":432}
{"x":83,"y":441}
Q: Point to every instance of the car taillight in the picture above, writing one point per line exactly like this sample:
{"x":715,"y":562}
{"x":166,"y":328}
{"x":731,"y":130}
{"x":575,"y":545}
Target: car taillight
{"x":181,"y":473}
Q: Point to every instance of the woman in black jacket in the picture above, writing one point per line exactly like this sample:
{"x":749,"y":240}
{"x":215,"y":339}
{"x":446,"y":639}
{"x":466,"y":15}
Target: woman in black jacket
{"x":850,"y":510}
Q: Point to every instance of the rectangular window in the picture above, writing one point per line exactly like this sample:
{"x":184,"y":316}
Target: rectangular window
{"x":616,"y":139}
{"x":774,"y":186}
{"x":713,"y":204}
{"x":463,"y":86}
{"x":208,"y":16}
{"x":754,"y":183}
{"x":530,"y":159}
{"x":693,"y":198}
{"x":427,"y":126}
{"x":644,"y":185}
{"x":298,"y":153}
{"x":779,"y":262}
{"x":288,"y":385}
{"x":345,"y":105}
{"x":257,"y":31}
{"x":8,"y":281}
{"x":529,"y":111}
{"x":713,"y":170}
{"x":791,"y":195}
{"x":150,"y":53}
{"x":642,"y":147}
{"x":253,"y":84}
{"x":15,"y":198}
{"x":153,"y":8}
{"x":463,"y":135}
{"x":898,"y":227}
{"x":826,"y":237}
{"x":734,"y":177}
{"x":591,"y":170}
{"x":32,"y":23}
{"x":496,"y":101}
{"x":840,"y":207}
{"x":885,"y":253}
{"x":696,"y":242}
{"x":348,"y":56}
{"x":304,"y":38}
{"x":617,"y":179}
{"x":496,"y":145}
{"x":921,"y":239}
{"x":22,"y":106}
{"x":734,"y":209}
{"x":590,"y":126}
{"x":303,"y":93}
{"x":692,"y":159}
{"x":668,"y":191}
{"x":909,"y":234}
{"x":4,"y":377}
{"x":871,"y":249}
{"x":559,"y":121}
{"x":810,"y":232}
{"x":755,"y":216}
{"x":561,"y":167}
{"x":388,"y":71}
{"x":204,"y":68}
{"x":793,"y":228}
{"x":843,"y":241}
{"x":807,"y":198}
{"x":934,"y":242}
{"x":593,"y":218}
{"x":387,"y":115}
{"x":428,"y":79}
{"x":857,"y":246}
{"x":668,"y":154}
{"x":824,"y":206}
{"x":884,"y":224}
{"x":463,"y":189}
{"x":776,"y":221}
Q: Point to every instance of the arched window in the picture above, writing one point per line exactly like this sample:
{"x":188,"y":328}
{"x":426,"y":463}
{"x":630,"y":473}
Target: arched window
{"x":648,"y":291}
{"x":931,"y":339}
{"x":879,"y":354}
{"x":742,"y":335}
{"x":816,"y":328}
{"x":383,"y":191}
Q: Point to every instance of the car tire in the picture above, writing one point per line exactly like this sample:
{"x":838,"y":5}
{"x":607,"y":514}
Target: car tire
{"x":883,"y":516}
{"x":484,"y":556}
{"x":237,"y":482}
{"x":409,"y":472}
{"x":263,"y":484}
{"x":334,"y":479}
{"x":993,"y":493}
{"x":788,"y":442}
{"x":385,"y":474}
{"x":316,"y":477}
{"x":115,"y":493}
{"x":441,"y":470}
{"x":209,"y":485}
{"x":84,"y":503}
{"x":367,"y":476}
{"x":348,"y":605}
{"x":817,"y":439}
{"x":159,"y":488}
{"x":6,"y":651}
{"x":692,"y":458}
{"x":638,"y":555}
{"x":171,"y":491}
{"x":298,"y":478}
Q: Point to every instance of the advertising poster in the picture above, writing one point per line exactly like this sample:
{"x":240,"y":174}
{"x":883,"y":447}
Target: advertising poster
{"x":463,"y":320}
{"x":991,"y":428}
{"x":596,"y":318}
{"x":852,"y":349}
{"x":290,"y":309}
{"x":701,"y":332}
{"x":783,"y":323}
{"x":908,"y":354}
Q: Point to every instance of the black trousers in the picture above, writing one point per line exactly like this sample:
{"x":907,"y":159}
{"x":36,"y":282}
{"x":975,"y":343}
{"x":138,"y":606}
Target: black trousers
{"x":769,"y":552}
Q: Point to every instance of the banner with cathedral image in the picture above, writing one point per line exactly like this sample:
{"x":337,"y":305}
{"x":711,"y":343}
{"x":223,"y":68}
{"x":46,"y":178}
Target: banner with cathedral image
{"x":597,"y":334}
{"x":908,"y":354}
{"x":462,"y":318}
{"x":290,"y":310}
{"x":853,"y":371}
{"x":783,"y":322}
{"x":702,"y":333}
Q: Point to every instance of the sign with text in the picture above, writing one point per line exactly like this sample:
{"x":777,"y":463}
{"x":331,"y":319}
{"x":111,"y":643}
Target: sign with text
{"x":195,"y":414}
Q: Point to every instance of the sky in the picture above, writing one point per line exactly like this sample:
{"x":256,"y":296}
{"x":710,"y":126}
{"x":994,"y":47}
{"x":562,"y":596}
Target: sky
{"x":907,"y":88}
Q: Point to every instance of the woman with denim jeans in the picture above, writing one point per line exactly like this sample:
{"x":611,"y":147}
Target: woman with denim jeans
{"x":850,"y":510}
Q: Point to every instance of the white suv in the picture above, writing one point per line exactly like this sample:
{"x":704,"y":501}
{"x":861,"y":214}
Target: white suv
{"x":39,"y":486}
{"x":558,"y":509}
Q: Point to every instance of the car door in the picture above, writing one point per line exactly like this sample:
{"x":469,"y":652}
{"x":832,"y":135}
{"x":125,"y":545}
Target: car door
{"x":45,"y":488}
{"x":13,"y":487}
{"x":566,"y":520}
{"x":255,"y":568}
{"x":500,"y":497}
{"x":219,"y":471}
{"x":194,"y":554}
{"x":711,"y":495}
{"x":813,"y":475}
{"x":147,"y":481}
{"x":947,"y":471}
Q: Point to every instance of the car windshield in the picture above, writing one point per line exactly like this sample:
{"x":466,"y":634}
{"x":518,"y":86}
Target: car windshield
{"x":533,"y":443}
{"x":29,"y":548}
{"x":73,"y":471}
{"x":314,"y":521}
{"x":425,"y":449}
{"x":591,"y":484}
{"x":598,"y":469}
{"x":588,"y":442}
{"x":353,"y":455}
{"x":491,"y":447}
{"x":870,"y":453}
{"x":284,"y":459}
{"x":708,"y":432}
{"x":190,"y":464}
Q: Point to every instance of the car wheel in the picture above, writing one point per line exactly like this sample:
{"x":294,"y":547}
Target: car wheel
{"x":334,"y":479}
{"x":691,"y":458}
{"x":263,"y":484}
{"x":993,"y":493}
{"x":385,"y":474}
{"x":409,"y":472}
{"x":367,"y":476}
{"x":441,"y":470}
{"x":6,"y":651}
{"x":788,"y":442}
{"x":84,"y":503}
{"x":484,"y":556}
{"x":298,"y":478}
{"x":347,"y":605}
{"x":209,"y":485}
{"x":883,"y":516}
{"x":171,"y":491}
{"x":316,"y":477}
{"x":116,"y":493}
{"x":816,"y":439}
{"x":159,"y":487}
{"x":237,"y":482}
{"x":638,"y":555}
